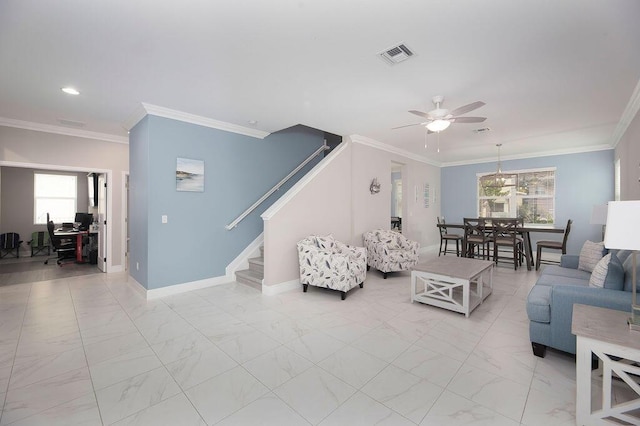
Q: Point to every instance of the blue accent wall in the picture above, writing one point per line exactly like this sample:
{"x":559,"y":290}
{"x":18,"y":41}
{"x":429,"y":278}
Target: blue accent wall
{"x":194,"y":244}
{"x":582,"y":181}
{"x":138,"y":201}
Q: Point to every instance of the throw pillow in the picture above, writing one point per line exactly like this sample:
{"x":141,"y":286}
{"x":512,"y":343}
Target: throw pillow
{"x":628,"y":273}
{"x":326,"y":243}
{"x":615,"y":274}
{"x":608,"y":273}
{"x":590,"y":255}
{"x":600,"y":272}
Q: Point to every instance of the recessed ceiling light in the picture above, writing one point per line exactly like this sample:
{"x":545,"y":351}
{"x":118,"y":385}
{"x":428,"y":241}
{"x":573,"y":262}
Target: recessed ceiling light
{"x":70,"y":91}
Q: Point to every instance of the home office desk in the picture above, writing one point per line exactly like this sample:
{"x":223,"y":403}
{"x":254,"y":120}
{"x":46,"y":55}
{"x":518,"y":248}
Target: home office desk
{"x":524,"y":230}
{"x":71,"y":233}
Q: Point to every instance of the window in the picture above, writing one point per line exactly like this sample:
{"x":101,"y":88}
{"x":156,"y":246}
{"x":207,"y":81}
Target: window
{"x":56,"y":195}
{"x":531,"y":196}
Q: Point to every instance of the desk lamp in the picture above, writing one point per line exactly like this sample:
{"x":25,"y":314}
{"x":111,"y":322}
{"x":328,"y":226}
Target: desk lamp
{"x":623,"y":233}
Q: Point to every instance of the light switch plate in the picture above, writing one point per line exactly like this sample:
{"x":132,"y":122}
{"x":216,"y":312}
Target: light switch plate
{"x":165,"y":219}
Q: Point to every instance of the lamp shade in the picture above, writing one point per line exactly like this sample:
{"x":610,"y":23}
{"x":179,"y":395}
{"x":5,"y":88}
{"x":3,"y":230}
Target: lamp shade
{"x":623,"y":225}
{"x":599,"y":214}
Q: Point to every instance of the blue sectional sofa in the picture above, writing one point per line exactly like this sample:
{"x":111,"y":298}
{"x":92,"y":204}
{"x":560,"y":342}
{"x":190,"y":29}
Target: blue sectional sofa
{"x":550,"y":302}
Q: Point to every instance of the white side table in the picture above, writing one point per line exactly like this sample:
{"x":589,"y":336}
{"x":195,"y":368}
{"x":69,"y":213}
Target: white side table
{"x":605,"y":334}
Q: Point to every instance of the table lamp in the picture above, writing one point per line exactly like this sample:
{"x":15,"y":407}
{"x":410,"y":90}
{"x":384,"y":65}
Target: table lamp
{"x":599,"y":216}
{"x":623,"y":233}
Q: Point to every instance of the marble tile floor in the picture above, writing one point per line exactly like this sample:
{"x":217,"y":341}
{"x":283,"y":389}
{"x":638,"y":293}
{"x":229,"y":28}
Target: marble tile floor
{"x":90,"y":350}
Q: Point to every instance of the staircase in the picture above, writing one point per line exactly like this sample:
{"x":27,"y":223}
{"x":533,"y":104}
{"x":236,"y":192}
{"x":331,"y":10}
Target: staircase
{"x":254,"y":275}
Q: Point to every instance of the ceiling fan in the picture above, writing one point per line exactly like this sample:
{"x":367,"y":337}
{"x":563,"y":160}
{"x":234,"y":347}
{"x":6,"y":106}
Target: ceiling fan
{"x":440,"y":118}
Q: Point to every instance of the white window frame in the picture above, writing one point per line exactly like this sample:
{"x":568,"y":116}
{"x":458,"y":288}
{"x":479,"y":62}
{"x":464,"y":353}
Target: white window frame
{"x":42,"y":219}
{"x":512,"y":198}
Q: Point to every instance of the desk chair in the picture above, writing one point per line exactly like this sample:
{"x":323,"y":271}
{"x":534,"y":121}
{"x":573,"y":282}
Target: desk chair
{"x":10,"y":244}
{"x":65,"y":248}
{"x":445,"y":237}
{"x":553,"y":245}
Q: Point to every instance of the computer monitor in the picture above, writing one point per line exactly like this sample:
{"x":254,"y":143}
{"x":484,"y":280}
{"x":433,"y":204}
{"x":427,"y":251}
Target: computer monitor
{"x":84,"y":219}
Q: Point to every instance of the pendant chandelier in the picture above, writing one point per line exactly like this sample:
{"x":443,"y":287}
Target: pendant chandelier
{"x":499,"y":179}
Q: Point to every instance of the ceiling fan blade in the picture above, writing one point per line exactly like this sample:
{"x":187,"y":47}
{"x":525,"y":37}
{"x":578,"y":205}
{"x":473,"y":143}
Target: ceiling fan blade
{"x":420,"y":113}
{"x":467,"y":108}
{"x":408,"y":125}
{"x":468,"y":119}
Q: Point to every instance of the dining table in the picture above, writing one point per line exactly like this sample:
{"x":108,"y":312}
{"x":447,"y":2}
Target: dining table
{"x":525,"y":231}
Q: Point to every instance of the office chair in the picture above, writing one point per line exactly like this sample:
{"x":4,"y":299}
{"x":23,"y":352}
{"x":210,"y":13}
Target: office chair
{"x":65,"y":248}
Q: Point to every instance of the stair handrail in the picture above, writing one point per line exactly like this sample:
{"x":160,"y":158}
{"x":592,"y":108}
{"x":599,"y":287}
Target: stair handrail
{"x":277,"y":186}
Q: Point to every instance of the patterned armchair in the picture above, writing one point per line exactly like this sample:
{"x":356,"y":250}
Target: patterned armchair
{"x":390,"y":251}
{"x":326,"y":262}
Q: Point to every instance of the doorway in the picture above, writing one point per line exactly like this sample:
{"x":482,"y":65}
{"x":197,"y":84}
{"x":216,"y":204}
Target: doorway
{"x":396,"y":196}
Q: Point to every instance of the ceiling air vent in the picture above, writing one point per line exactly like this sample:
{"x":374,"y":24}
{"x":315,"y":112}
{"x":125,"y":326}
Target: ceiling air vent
{"x":396,"y":54}
{"x":482,"y":130}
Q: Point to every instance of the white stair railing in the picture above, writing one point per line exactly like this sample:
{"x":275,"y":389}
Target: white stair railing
{"x":233,"y":224}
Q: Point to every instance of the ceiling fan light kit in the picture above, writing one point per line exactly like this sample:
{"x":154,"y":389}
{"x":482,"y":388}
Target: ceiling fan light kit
{"x":440,"y":119}
{"x":438,"y":125}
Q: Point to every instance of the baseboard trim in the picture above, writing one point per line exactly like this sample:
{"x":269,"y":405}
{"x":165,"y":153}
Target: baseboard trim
{"x":177,"y":288}
{"x":137,"y":287}
{"x":189,"y":286}
{"x":272,"y":290}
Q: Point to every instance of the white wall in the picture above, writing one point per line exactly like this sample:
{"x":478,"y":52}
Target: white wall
{"x":628,"y":151}
{"x":51,"y":151}
{"x":338,"y":201}
{"x":321,"y":207}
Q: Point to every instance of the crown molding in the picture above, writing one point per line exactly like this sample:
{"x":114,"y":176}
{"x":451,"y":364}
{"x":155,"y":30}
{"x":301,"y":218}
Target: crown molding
{"x":628,"y":115}
{"x":363,"y":140}
{"x":48,"y":128}
{"x":149,"y":109}
{"x":581,"y":150}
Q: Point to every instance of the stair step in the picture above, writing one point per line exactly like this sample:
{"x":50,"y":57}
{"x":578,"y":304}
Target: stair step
{"x":250,"y":278}
{"x":257,"y":264}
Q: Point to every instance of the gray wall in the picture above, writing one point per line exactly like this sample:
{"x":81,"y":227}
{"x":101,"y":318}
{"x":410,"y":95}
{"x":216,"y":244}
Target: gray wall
{"x":17,"y":204}
{"x":20,"y":146}
{"x":194,"y":245}
{"x":582,"y":181}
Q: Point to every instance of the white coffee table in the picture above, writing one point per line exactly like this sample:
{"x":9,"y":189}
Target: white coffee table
{"x":455,"y":283}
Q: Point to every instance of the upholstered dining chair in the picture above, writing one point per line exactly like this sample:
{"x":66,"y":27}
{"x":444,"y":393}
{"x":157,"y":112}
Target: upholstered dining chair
{"x":553,"y":245}
{"x":476,"y":237}
{"x":445,"y":237}
{"x":506,"y":235}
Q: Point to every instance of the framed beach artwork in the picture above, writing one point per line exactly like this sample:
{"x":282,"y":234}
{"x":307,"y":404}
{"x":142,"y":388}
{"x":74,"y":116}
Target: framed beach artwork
{"x":189,"y":175}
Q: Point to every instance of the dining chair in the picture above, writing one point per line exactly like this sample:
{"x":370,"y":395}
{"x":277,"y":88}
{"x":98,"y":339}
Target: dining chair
{"x":445,"y":237}
{"x":506,"y":235}
{"x":553,"y":245}
{"x":476,"y":237}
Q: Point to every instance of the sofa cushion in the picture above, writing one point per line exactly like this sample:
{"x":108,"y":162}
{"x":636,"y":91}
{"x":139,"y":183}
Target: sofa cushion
{"x":538,"y":304}
{"x":622,"y":254}
{"x":590,"y":255}
{"x":554,"y":280}
{"x":559,"y":271}
{"x":628,"y":272}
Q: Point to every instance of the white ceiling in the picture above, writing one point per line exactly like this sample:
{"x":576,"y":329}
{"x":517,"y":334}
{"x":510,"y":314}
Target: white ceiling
{"x":555,"y":75}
